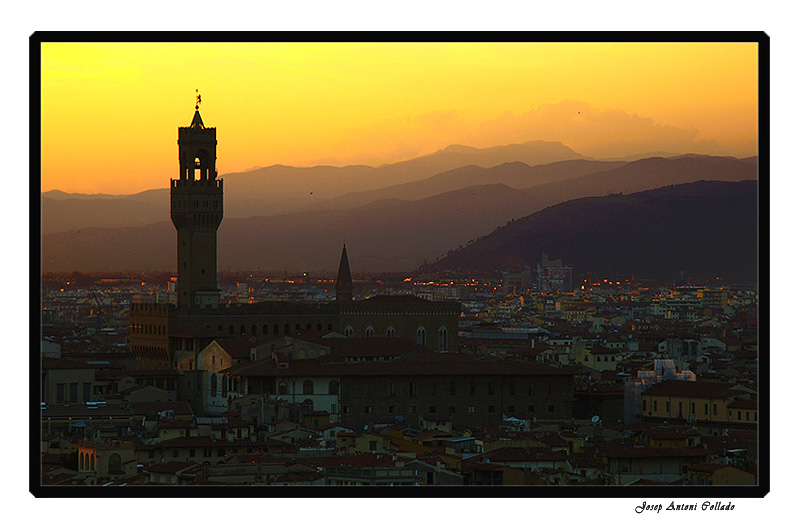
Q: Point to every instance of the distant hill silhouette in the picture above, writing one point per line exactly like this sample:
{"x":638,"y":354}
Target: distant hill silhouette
{"x":703,"y":228}
{"x":513,"y":174}
{"x":279,"y":189}
{"x":389,"y":234}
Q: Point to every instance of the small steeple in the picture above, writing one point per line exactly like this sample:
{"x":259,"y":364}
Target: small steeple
{"x":196,"y":120}
{"x":344,"y":281}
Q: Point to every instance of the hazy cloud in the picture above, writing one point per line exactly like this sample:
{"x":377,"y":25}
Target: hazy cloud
{"x":590,"y":131}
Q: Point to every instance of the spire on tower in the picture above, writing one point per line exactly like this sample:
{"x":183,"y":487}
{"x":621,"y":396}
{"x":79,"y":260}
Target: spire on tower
{"x":344,"y":281}
{"x":196,"y":120}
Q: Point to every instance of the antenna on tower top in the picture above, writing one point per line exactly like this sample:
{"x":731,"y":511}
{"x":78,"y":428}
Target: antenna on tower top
{"x":197,"y":105}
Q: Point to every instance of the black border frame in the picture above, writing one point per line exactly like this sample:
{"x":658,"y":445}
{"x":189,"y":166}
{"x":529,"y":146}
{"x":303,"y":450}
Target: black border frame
{"x":649,"y":493}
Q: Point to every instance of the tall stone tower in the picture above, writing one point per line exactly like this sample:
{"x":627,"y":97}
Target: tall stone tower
{"x":196,"y":213}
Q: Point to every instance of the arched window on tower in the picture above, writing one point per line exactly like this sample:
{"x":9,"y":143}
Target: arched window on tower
{"x":348,"y":331}
{"x":391,"y":332}
{"x":421,"y":335}
{"x":369,"y":332}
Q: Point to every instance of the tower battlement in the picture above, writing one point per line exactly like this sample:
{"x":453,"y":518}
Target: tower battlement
{"x":186,"y":184}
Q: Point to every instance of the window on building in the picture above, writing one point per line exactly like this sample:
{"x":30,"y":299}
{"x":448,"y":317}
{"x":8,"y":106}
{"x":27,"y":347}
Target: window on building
{"x":551,"y":408}
{"x":191,"y":453}
{"x":472,"y":388}
{"x":333,"y":388}
{"x":714,"y":409}
{"x":412,"y":388}
{"x":421,"y":335}
{"x":668,"y":405}
{"x":367,"y":409}
{"x":348,"y":331}
{"x":73,"y":392}
{"x":531,"y":388}
{"x":392,"y":388}
{"x":412,"y":409}
{"x":346,"y":409}
{"x":369,"y":332}
{"x":471,"y":409}
{"x":705,"y":409}
{"x":308,"y":387}
{"x":283,"y":388}
{"x":391,"y":409}
{"x":693,"y":407}
{"x":391,"y":332}
{"x":442,"y":343}
{"x":373,"y":445}
{"x":738,"y":415}
{"x":491,"y":388}
{"x":175,"y":453}
{"x":452,"y":390}
{"x":60,"y":393}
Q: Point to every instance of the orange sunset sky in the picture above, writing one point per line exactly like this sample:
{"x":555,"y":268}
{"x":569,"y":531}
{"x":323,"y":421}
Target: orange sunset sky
{"x":110,"y":111}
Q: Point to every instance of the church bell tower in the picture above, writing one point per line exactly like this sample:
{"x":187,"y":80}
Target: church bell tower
{"x":196,"y":211}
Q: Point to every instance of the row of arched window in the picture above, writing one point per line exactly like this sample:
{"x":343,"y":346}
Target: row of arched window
{"x":308,"y":387}
{"x":227,"y":385}
{"x":275,"y":329}
{"x":86,"y":462}
{"x":391,"y":332}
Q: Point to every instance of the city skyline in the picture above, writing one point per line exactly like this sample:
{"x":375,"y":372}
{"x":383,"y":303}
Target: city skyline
{"x":307,"y":104}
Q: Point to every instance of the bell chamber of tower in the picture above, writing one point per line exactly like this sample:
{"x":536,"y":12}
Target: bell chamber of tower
{"x":196,"y":211}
